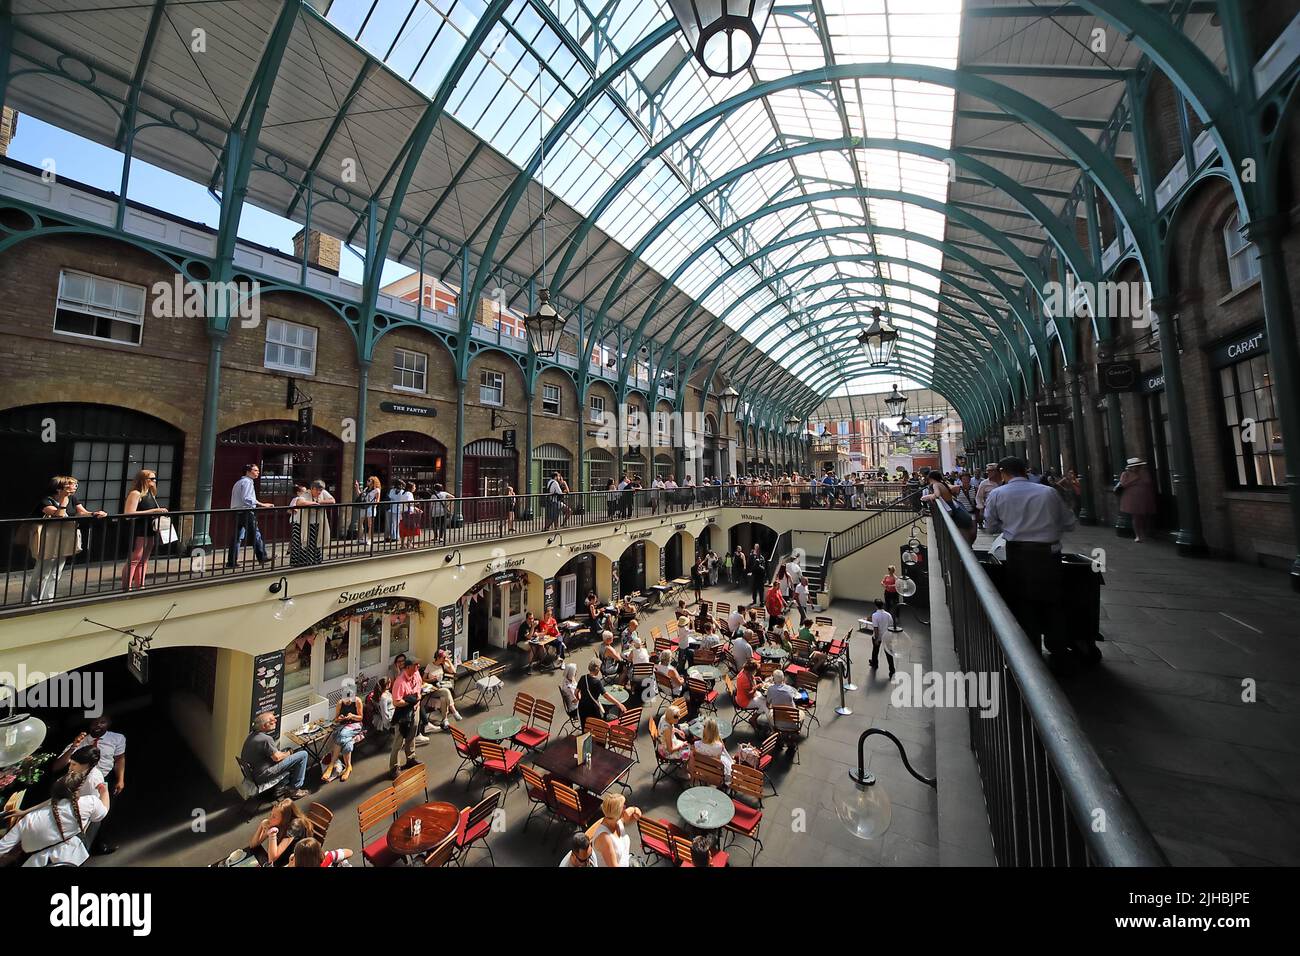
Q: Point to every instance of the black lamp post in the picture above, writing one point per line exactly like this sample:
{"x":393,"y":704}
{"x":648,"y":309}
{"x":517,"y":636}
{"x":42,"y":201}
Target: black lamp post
{"x":878,"y":339}
{"x":723,"y":34}
{"x":544,"y":326}
{"x":863,"y":808}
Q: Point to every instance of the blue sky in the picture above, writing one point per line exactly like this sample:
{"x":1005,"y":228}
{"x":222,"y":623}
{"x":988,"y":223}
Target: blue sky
{"x":79,"y":159}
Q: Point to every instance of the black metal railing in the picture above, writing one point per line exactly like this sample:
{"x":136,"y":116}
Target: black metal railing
{"x":54,"y":560}
{"x":1051,"y":800}
{"x":896,"y":513}
{"x":859,"y":496}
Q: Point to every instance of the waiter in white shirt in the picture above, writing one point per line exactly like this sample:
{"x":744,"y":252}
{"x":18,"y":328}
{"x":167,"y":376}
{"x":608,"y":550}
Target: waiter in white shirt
{"x":881,"y":622}
{"x":1031,"y":518}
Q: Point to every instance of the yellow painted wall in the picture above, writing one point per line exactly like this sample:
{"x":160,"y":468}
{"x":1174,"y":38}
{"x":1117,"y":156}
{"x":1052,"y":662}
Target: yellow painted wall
{"x":857,"y":577}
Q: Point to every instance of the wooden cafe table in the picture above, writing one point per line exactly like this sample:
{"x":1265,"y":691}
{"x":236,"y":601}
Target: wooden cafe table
{"x":559,"y":759}
{"x":437,"y":820}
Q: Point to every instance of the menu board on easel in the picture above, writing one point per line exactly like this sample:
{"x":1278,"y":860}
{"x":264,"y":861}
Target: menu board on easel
{"x":614,"y":592}
{"x":548,"y":596}
{"x":268,"y":685}
{"x":663,"y":564}
{"x":447,"y":628}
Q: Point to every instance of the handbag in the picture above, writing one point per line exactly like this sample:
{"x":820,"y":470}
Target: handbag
{"x":166,"y":531}
{"x":960,"y":516}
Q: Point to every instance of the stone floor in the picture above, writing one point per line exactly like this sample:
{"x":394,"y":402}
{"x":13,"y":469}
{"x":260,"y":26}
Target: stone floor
{"x":175,"y":816}
{"x":1196,"y":708}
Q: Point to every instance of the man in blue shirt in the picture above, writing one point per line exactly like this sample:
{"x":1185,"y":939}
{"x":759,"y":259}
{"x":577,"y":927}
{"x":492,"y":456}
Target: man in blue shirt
{"x":243,"y":500}
{"x":1031,"y":518}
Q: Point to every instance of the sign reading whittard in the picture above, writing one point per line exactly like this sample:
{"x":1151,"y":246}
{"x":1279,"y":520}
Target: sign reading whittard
{"x":379,"y":590}
{"x":745,"y":517}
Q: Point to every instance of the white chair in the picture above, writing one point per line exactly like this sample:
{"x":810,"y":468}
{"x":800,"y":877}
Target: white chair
{"x":489,"y":686}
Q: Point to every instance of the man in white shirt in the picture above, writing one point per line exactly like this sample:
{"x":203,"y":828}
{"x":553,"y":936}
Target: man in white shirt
{"x":736,"y":618}
{"x":438,"y":507}
{"x":794,"y":571}
{"x":992,"y":480}
{"x":881,"y":622}
{"x":396,"y":495}
{"x":1031,"y":518}
{"x":741,"y":652}
{"x":581,"y":854}
{"x":243,"y":499}
{"x":111,"y":767}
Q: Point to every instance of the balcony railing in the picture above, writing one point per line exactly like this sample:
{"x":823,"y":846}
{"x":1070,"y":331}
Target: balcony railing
{"x":1051,"y":801}
{"x":55,"y":560}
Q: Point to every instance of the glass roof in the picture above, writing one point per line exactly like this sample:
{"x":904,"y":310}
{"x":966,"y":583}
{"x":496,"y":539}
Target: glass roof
{"x":546,"y":52}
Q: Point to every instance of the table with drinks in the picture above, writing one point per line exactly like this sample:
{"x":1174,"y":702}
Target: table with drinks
{"x":420,"y":829}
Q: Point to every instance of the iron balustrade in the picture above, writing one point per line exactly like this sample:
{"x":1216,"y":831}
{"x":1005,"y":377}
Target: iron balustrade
{"x":858,"y":496}
{"x":86,"y":557}
{"x":892,"y":515}
{"x":1051,"y":800}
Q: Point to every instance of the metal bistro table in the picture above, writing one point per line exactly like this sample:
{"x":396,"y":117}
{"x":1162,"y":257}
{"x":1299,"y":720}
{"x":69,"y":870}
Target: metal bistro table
{"x":314,"y":740}
{"x":472,"y":669}
{"x":560,"y":761}
{"x":436,"y":821}
{"x":500,"y":728}
{"x":696,"y":728}
{"x":706,"y":809}
{"x":777,"y":654}
{"x":704,"y":672}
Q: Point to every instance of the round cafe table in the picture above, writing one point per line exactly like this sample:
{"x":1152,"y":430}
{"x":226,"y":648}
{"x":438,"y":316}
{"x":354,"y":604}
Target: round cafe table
{"x":705,"y":808}
{"x":704,"y":672}
{"x":696,"y":728}
{"x":618,"y":692}
{"x":436,"y":821}
{"x":773,"y":653}
{"x":500,"y":728}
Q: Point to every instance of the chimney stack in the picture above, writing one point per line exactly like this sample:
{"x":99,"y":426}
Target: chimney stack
{"x":8,"y":127}
{"x":322,"y":250}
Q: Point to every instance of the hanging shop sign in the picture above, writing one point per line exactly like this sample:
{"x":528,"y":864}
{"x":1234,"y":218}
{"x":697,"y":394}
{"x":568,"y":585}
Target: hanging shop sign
{"x":1051,"y":414}
{"x":1014,"y":433}
{"x":401,"y":408}
{"x":1152,"y":382}
{"x":1113,"y":377}
{"x":508,"y":439}
{"x":137,"y":659}
{"x":447,"y":627}
{"x":268,"y":685}
{"x":304,"y":422}
{"x":1239,"y":347}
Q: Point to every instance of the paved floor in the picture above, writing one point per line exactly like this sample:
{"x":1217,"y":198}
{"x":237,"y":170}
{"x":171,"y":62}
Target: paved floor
{"x":1196,"y":708}
{"x":177,"y":818}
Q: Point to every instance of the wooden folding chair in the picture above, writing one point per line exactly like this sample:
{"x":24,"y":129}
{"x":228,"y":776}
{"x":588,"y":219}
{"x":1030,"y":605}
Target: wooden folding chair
{"x":665,"y":768}
{"x":705,"y":771}
{"x":823,"y":621}
{"x":475,"y":825}
{"x":375,"y":815}
{"x":569,"y":805}
{"x":411,"y":782}
{"x":788,"y":723}
{"x":523,"y":707}
{"x":807,"y":680}
{"x":706,"y":655}
{"x":747,"y":785}
{"x":467,"y":749}
{"x":442,"y":854}
{"x":622,"y":740}
{"x":499,"y":761}
{"x":599,"y":729}
{"x":700,"y":691}
{"x":643,"y":679}
{"x":682,"y":855}
{"x":631,"y":719}
{"x":724,"y":610}
{"x":656,"y":838}
{"x":321,"y":817}
{"x":539,"y":795}
{"x":537,"y":730}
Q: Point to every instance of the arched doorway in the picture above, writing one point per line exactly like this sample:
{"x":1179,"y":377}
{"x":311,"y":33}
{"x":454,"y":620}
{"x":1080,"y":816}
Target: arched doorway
{"x":673,"y":565}
{"x":407,"y":456}
{"x":284,"y":453}
{"x":495,"y":607}
{"x":574,"y":581}
{"x":600,"y":469}
{"x":548,"y":459}
{"x":361,"y":639}
{"x":663,"y":466}
{"x":489,"y":467}
{"x":102,"y":446}
{"x":748,"y":533}
{"x":631,"y":570}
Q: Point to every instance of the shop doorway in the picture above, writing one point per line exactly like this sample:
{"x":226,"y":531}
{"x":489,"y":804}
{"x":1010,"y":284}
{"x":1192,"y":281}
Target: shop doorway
{"x":407,"y":456}
{"x":497,"y":606}
{"x":576,"y":579}
{"x":631,"y":569}
{"x":489,"y":468}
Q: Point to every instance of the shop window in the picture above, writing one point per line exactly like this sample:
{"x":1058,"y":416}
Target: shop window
{"x":399,"y":634}
{"x":410,"y":370}
{"x":93,"y":307}
{"x":1243,"y":256}
{"x":372,"y":638}
{"x":1254,"y":440}
{"x":290,"y":347}
{"x":550,"y":399}
{"x":106,"y":469}
{"x":491,"y":387}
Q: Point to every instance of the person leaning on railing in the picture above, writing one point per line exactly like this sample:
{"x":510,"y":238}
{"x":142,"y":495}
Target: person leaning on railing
{"x":52,"y":543}
{"x":1031,"y":519}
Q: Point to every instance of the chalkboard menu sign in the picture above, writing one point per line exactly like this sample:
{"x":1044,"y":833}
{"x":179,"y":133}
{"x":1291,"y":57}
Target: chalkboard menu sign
{"x":614,"y":592}
{"x":460,"y":616}
{"x":447,"y":627}
{"x":268,"y":684}
{"x":663,"y":564}
{"x":548,"y":595}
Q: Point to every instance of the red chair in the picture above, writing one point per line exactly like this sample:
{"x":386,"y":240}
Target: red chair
{"x":538,"y":795}
{"x":656,"y":838}
{"x":475,"y":824}
{"x":537,"y":731}
{"x":499,"y":761}
{"x":706,"y":697}
{"x":467,"y":748}
{"x":577,"y":809}
{"x":376,"y":815}
{"x":682,"y":853}
{"x":747,"y":783}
